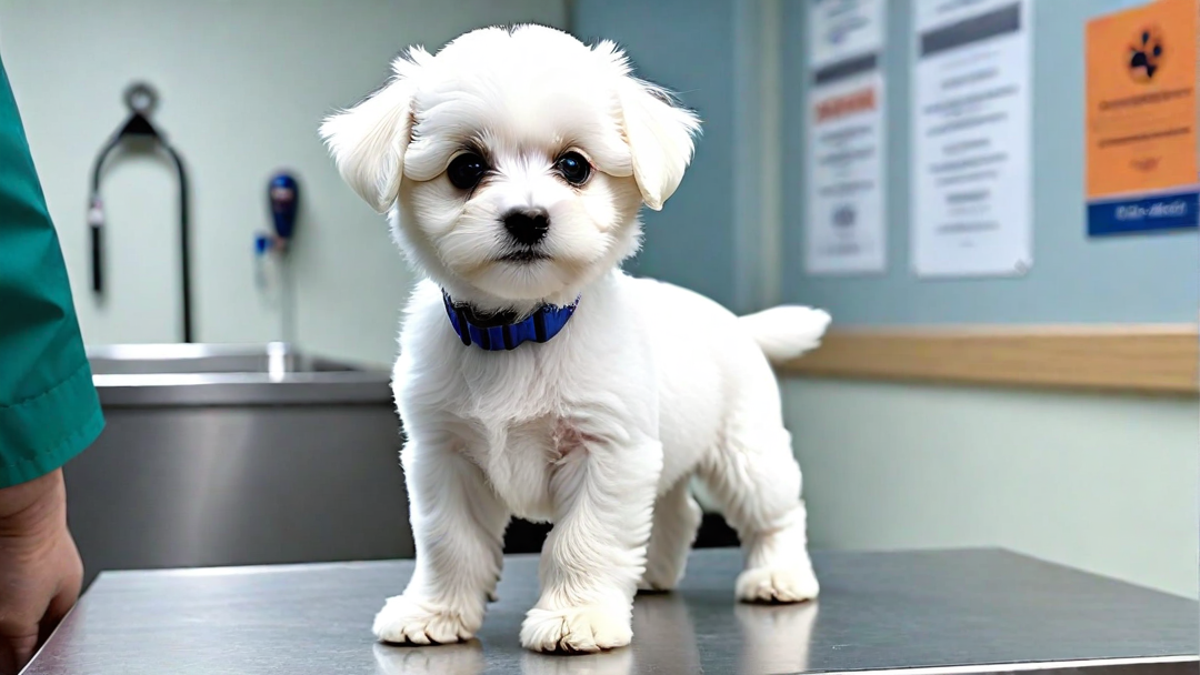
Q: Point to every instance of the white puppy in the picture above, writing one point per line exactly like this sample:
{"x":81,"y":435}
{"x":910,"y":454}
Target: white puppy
{"x":513,"y":164}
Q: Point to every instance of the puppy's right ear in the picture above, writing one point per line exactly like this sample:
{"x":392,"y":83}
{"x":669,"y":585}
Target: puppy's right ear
{"x":368,"y":141}
{"x":660,"y":136}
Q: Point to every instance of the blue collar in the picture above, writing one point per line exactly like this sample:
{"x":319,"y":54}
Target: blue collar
{"x":505,"y":331}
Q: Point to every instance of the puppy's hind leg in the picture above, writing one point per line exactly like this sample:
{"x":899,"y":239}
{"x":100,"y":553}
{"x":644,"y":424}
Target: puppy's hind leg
{"x":672,"y":532}
{"x":755,"y":481}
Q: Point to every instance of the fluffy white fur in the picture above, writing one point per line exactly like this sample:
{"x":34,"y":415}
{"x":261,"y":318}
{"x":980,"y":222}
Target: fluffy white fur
{"x":600,"y":429}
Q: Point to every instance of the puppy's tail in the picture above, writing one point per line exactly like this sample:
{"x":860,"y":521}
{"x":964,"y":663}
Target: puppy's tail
{"x":787,"y":331}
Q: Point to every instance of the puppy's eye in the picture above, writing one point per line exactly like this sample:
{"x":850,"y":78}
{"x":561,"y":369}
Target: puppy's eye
{"x":574,"y":168}
{"x":466,"y":170}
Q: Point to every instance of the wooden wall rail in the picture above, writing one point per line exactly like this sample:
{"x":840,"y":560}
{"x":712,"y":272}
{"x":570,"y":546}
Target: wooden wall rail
{"x":1138,"y":358}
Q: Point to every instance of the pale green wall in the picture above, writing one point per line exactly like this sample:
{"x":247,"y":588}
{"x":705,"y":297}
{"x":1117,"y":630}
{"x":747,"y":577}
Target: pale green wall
{"x":244,"y":86}
{"x":1103,"y":483}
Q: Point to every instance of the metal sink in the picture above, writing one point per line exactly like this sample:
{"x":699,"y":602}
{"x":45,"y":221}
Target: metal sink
{"x":237,"y":455}
{"x":157,"y":359}
{"x":198,"y":374}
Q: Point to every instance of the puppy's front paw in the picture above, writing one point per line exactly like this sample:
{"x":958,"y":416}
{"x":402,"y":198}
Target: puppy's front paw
{"x":774,"y":584}
{"x":576,"y":629}
{"x":407,"y":621}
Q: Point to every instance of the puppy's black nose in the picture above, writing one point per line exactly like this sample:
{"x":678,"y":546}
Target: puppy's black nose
{"x":527,"y":227}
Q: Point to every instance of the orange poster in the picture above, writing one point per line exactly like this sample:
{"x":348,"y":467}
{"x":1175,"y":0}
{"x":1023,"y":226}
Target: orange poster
{"x":1142,"y":171}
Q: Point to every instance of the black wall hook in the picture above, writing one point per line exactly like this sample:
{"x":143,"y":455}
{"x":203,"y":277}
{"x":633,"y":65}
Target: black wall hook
{"x":141,"y":99}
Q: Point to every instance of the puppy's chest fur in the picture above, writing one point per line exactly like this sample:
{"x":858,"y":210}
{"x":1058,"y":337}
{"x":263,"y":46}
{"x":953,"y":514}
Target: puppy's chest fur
{"x":529,"y":415}
{"x":520,"y":417}
{"x":522,"y":459}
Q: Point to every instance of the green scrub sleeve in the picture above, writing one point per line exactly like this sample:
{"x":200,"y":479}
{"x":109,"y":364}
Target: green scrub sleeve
{"x":49,"y":410}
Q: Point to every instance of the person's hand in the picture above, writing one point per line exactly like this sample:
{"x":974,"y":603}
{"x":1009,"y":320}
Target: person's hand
{"x":40,"y":569}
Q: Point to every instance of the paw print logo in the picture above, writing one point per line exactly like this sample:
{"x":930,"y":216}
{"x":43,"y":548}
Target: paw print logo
{"x":1145,"y":54}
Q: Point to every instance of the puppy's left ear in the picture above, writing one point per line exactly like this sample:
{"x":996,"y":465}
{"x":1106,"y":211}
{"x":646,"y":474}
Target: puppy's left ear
{"x":368,"y":141}
{"x":660,"y":136}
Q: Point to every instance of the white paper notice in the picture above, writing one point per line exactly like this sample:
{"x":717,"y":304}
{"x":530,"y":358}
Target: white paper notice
{"x":971,"y":208}
{"x":845,"y":229}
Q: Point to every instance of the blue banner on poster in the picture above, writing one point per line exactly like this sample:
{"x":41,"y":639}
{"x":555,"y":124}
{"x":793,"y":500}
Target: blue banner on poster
{"x":1174,"y":211}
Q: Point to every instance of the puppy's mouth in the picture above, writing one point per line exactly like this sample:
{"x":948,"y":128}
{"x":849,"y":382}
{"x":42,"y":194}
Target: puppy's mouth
{"x":524,"y":256}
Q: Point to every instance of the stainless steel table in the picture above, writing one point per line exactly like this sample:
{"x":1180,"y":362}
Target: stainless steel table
{"x":971,"y":611}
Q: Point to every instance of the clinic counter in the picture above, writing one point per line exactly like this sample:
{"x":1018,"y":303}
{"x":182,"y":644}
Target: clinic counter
{"x":959,"y":611}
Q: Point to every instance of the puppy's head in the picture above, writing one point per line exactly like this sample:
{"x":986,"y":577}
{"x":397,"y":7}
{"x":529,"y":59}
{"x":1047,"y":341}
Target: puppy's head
{"x":517,"y":160}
